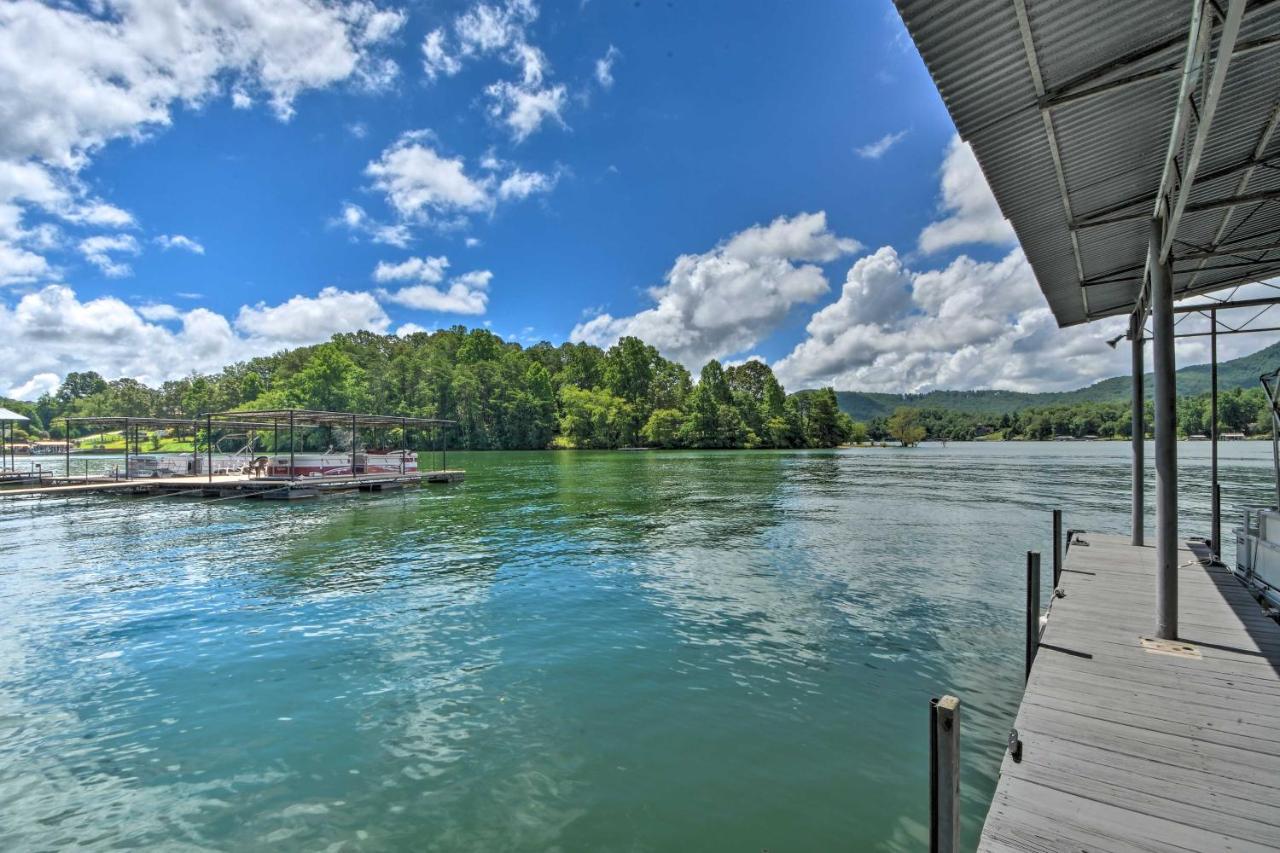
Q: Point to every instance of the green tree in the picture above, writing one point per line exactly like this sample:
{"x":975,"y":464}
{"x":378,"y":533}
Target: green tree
{"x":663,"y":428}
{"x":904,"y":426}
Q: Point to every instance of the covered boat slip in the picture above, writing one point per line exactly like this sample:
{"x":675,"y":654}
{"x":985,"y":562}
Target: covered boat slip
{"x":207,"y":470}
{"x":1129,"y":745}
{"x":1134,"y":147}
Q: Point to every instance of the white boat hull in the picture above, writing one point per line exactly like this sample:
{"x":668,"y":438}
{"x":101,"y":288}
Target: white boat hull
{"x":1258,"y":553}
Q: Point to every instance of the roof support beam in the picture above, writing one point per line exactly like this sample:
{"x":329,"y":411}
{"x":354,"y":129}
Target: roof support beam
{"x":1179,"y":178}
{"x":1108,"y":215}
{"x":1226,"y":305}
{"x":1198,"y":207}
{"x":1264,"y":139}
{"x":1033,"y":65}
{"x":1079,"y":89}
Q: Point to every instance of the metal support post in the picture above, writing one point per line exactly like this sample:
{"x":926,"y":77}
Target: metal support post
{"x":1033,"y":609}
{"x":1166,"y":438}
{"x":208,"y":445}
{"x":1215,"y":507}
{"x":1137,"y":520}
{"x":944,"y":774}
{"x":1057,"y":547}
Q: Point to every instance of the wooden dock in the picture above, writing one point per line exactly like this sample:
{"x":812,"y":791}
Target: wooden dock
{"x":237,"y":485}
{"x":1128,"y":748}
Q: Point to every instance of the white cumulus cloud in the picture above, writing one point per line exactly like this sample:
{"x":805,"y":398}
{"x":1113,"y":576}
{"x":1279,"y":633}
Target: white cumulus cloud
{"x":51,"y":332}
{"x":725,"y":301}
{"x":465,"y":294}
{"x":75,"y":77}
{"x":604,"y":67}
{"x":524,"y":104}
{"x":424,"y":187}
{"x":876,"y":150}
{"x":179,"y":241}
{"x":971,"y":214}
{"x":100,"y":250}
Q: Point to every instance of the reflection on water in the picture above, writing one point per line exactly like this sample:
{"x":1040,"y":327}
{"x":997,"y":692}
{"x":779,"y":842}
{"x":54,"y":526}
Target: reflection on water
{"x":628,"y":651}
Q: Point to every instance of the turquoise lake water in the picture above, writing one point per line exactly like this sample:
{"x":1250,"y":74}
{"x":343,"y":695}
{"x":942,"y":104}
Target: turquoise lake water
{"x":570,"y":651}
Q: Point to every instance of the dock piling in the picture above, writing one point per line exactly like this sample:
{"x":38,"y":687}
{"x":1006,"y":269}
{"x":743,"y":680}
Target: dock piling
{"x":1033,"y":608}
{"x":944,"y":774}
{"x":1057,"y":547}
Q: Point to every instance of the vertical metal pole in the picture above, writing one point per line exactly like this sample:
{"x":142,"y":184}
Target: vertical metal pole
{"x":66,"y":444}
{"x":404,"y":442}
{"x":1214,"y":495}
{"x":195,"y":448}
{"x":1166,"y":438}
{"x":126,"y":448}
{"x":444,"y":446}
{"x":353,"y":447}
{"x":1137,"y":519}
{"x":291,"y":446}
{"x":1057,"y":547}
{"x":208,"y":445}
{"x":1033,"y":608}
{"x":944,"y":774}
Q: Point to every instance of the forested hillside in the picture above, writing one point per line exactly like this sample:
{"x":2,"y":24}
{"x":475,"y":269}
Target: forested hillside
{"x":502,"y":395}
{"x":1193,"y":380}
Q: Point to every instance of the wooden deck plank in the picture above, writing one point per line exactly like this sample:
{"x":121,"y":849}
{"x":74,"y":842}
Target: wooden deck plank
{"x":1125,"y":749}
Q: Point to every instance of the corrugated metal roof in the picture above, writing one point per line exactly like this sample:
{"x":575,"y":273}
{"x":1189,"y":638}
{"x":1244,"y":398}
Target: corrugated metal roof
{"x":1111,"y":146}
{"x":8,"y":415}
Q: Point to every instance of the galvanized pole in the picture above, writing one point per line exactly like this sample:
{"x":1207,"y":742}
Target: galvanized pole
{"x":944,"y":774}
{"x":291,"y":446}
{"x":404,"y":442}
{"x":353,"y":446}
{"x":1057,"y":546}
{"x":1033,"y":609}
{"x":66,"y":444}
{"x":126,"y":448}
{"x":1166,"y":438}
{"x":1214,"y":495}
{"x":195,"y":447}
{"x":208,"y":444}
{"x":1137,"y":519}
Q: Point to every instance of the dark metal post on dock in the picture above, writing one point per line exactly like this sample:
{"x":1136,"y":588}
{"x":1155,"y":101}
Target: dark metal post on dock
{"x":66,"y":444}
{"x":1057,"y":547}
{"x":404,"y":442}
{"x":353,"y":446}
{"x":1139,"y":431}
{"x":208,"y":444}
{"x":126,"y":449}
{"x":195,"y":447}
{"x":1215,"y":507}
{"x":944,"y":774}
{"x":1166,"y":440}
{"x":444,"y":448}
{"x":1033,"y":608}
{"x":291,"y":445}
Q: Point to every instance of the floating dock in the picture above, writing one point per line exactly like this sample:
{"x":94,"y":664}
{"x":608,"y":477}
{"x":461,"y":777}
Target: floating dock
{"x":1130,"y":744}
{"x":236,"y":485}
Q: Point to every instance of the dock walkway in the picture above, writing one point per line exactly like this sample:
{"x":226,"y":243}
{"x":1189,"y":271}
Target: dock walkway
{"x":1127,"y":749}
{"x":238,"y":485}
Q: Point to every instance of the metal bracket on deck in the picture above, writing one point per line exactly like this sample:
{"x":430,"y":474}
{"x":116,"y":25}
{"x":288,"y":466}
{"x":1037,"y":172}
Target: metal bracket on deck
{"x":1170,"y":647}
{"x":1015,"y":746}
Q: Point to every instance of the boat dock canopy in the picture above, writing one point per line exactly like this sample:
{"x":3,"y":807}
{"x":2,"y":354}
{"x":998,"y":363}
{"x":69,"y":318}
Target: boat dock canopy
{"x":1090,"y":118}
{"x":312,"y":417}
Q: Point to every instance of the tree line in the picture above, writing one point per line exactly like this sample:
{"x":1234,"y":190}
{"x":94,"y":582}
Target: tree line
{"x":1239,"y":411}
{"x":502,"y":395}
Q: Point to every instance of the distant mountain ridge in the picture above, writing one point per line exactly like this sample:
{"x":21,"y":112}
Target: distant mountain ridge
{"x":1240,"y":372}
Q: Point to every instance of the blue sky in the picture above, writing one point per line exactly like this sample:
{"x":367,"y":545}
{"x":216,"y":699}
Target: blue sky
{"x":181,"y":188}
